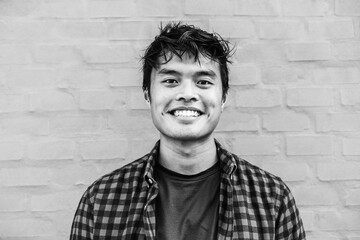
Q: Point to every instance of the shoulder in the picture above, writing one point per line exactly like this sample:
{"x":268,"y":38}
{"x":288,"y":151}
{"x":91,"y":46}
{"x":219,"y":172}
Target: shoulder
{"x":258,"y":180}
{"x":251,"y":171}
{"x":124,"y":178}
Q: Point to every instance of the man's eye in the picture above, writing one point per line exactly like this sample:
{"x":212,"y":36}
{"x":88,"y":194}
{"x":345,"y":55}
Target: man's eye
{"x":170,"y":81}
{"x":204,"y":82}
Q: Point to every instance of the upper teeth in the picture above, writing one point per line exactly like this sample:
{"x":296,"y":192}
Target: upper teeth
{"x":186,"y":113}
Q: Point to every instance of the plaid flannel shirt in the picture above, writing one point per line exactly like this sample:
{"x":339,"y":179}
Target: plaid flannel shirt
{"x":253,"y":203}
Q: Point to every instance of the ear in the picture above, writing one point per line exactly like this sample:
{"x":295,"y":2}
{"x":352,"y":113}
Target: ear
{"x":147,"y":96}
{"x":223,"y":103}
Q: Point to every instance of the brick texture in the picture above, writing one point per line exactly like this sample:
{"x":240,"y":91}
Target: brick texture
{"x":72,"y":109}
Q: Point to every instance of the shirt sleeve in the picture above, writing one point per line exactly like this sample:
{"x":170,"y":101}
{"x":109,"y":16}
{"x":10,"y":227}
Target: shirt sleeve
{"x":289,"y":225}
{"x":83,"y":223}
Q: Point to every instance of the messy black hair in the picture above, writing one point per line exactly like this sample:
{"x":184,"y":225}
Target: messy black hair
{"x":178,"y":39}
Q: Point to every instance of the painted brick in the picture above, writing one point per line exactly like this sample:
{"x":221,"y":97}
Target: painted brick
{"x":345,"y":122}
{"x":285,"y":121}
{"x":14,"y":54}
{"x":343,"y":75}
{"x":137,"y":100}
{"x":353,"y":236}
{"x":347,"y":50}
{"x":231,"y":98}
{"x":317,"y":235}
{"x":69,"y":175}
{"x":120,"y":53}
{"x":125,"y":77}
{"x":306,"y":8}
{"x":110,"y":9}
{"x":309,"y":97}
{"x":284,"y":75}
{"x":158,"y":8}
{"x":82,"y":79}
{"x":26,"y":227}
{"x":25,"y":124}
{"x":17,"y":8}
{"x":4,"y":31}
{"x":260,"y":52}
{"x":60,"y":9}
{"x":331,"y":29}
{"x":309,"y":145}
{"x":81,"y":30}
{"x":55,"y":201}
{"x":27,"y":31}
{"x":344,"y":220}
{"x":11,"y":150}
{"x":101,"y":100}
{"x":231,"y":28}
{"x":347,"y":8}
{"x":231,"y":121}
{"x":256,"y":145}
{"x":312,"y":51}
{"x":309,"y":220}
{"x":31,"y":79}
{"x":244,"y":75}
{"x":350,"y":96}
{"x":351,"y":146}
{"x":51,"y":150}
{"x":77,"y":124}
{"x":132,"y":30}
{"x":352,"y":197}
{"x":129,"y":123}
{"x":3,"y":76}
{"x":141,"y":146}
{"x":206,"y":7}
{"x":287,"y":171}
{"x":52,"y":101}
{"x":331,"y":220}
{"x":281,"y":29}
{"x":12,"y":103}
{"x":53,"y":53}
{"x":258,"y":98}
{"x":315,"y":196}
{"x":103,"y":149}
{"x":13,"y":202}
{"x":338,"y":171}
{"x":258,"y":8}
{"x":352,"y":219}
{"x":26,"y":176}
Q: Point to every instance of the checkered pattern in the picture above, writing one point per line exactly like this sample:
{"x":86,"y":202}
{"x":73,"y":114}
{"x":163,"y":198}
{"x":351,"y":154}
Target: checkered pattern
{"x":253,"y":203}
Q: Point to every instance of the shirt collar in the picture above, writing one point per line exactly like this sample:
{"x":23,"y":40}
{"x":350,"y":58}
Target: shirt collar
{"x":227,"y":161}
{"x":150,"y":163}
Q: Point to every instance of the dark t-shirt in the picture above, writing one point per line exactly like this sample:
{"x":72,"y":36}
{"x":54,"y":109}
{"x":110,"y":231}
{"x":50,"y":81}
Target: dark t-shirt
{"x":188,"y":205}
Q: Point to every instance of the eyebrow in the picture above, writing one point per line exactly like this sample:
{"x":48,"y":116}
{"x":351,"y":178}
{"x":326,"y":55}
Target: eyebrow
{"x":209,"y":73}
{"x":169,"y":72}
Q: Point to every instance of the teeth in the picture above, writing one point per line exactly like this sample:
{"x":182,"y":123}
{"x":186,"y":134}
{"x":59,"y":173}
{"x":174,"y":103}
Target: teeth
{"x":186,"y":113}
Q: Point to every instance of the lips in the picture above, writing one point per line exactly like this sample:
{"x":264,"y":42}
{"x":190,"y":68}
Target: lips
{"x":185,"y":112}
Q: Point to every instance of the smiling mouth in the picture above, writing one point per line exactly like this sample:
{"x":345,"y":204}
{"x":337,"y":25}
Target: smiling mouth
{"x":185,"y":113}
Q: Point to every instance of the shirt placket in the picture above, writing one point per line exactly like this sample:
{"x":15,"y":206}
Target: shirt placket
{"x":149,"y":210}
{"x":226,"y":213}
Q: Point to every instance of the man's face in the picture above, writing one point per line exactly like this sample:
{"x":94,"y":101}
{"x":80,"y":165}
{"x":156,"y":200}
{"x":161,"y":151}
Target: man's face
{"x":186,"y":98}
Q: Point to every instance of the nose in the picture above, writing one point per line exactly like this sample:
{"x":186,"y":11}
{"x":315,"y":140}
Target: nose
{"x":187,"y":92}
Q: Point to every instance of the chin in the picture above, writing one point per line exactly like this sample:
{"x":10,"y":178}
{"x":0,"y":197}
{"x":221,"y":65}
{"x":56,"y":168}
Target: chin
{"x":188,"y":137}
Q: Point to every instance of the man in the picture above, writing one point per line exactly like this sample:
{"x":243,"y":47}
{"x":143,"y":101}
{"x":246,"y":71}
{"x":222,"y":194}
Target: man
{"x":188,"y":186}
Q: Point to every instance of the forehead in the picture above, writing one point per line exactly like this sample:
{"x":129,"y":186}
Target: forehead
{"x":188,"y":62}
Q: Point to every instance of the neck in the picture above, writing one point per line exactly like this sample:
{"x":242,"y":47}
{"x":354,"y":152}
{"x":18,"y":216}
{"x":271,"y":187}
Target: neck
{"x":187,"y":157}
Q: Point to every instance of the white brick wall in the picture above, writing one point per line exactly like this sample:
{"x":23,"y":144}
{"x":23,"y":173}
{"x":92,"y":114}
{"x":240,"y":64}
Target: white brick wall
{"x":71,"y":106}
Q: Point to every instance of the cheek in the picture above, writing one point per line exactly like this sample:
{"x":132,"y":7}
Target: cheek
{"x":160,"y":103}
